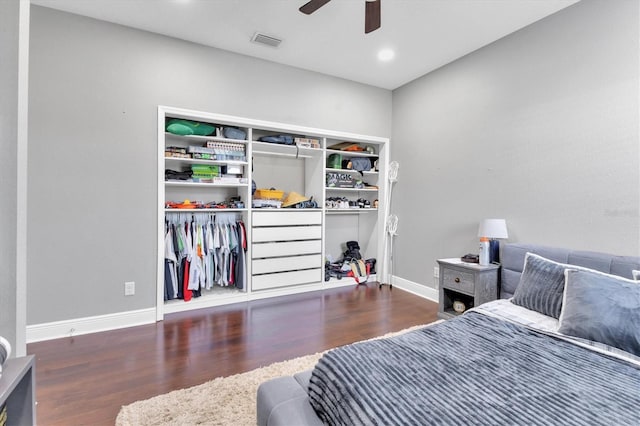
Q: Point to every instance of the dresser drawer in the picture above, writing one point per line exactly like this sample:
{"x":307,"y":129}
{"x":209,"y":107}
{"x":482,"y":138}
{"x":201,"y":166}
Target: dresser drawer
{"x":458,"y":280}
{"x":286,"y":233}
{"x":280,"y":218}
{"x":282,"y":264}
{"x":284,"y":279}
{"x":288,"y":248}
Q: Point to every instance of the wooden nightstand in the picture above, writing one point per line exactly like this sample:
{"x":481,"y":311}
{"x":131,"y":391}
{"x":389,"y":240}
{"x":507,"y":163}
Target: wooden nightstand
{"x":468,"y":283}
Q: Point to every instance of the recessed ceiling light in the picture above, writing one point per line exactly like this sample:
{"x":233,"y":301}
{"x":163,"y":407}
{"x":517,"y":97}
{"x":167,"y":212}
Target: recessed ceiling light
{"x":386,"y":55}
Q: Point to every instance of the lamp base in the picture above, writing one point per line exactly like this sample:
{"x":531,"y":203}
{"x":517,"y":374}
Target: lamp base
{"x":494,"y":251}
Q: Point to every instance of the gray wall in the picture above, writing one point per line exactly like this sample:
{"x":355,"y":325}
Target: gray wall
{"x":539,"y":128}
{"x":14,"y":37}
{"x":94,"y":89}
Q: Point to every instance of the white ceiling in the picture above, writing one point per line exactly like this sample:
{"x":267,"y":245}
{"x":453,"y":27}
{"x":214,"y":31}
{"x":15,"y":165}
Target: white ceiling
{"x":425,"y":34}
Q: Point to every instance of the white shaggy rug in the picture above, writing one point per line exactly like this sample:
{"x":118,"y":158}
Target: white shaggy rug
{"x":221,"y":401}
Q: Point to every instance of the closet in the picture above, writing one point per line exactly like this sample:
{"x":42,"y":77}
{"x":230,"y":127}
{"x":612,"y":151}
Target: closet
{"x":203,"y":252}
{"x":217,"y":246}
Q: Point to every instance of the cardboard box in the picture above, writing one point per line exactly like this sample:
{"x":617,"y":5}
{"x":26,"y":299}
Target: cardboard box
{"x":340,"y":180}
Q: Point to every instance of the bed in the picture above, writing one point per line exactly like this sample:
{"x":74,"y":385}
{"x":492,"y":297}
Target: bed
{"x":561,"y":346}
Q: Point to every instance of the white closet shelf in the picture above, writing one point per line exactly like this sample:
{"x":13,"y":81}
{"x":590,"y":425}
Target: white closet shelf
{"x":370,"y":172}
{"x":284,"y":209}
{"x":196,"y":161}
{"x":215,"y":297}
{"x":222,"y":210}
{"x":347,"y":281}
{"x":350,"y":211}
{"x":201,"y":184}
{"x":352,"y":189}
{"x":203,"y":138}
{"x":351,"y":153}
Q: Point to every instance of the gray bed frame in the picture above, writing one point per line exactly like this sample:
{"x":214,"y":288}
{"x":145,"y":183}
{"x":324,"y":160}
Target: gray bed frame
{"x":284,"y":402}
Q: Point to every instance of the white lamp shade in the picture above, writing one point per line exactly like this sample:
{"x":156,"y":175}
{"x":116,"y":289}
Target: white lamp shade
{"x":493,"y":228}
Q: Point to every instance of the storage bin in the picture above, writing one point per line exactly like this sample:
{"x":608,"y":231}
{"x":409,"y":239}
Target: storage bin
{"x":269,"y":194}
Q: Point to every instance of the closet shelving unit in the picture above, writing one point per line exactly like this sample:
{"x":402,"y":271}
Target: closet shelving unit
{"x":218,"y":190}
{"x":364,"y":225}
{"x":287,"y":248}
{"x":286,"y":244}
{"x":178,"y":191}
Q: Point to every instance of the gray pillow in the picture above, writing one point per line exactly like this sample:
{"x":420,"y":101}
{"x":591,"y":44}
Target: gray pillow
{"x":541,"y":285}
{"x":602,"y":308}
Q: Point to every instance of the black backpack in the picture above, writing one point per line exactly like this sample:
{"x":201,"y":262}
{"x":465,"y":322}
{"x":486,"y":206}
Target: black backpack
{"x":353,"y":251}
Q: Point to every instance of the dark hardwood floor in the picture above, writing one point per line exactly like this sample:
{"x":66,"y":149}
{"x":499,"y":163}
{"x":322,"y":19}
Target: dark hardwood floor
{"x":84,"y":380}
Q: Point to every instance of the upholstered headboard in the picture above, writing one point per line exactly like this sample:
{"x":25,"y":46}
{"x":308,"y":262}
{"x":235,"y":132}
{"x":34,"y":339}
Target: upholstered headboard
{"x":512,"y":259}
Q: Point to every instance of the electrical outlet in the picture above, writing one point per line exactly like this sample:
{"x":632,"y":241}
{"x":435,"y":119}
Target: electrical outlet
{"x":436,"y":272}
{"x":129,"y":288}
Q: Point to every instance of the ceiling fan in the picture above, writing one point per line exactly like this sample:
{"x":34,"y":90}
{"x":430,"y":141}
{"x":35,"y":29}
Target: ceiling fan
{"x":371,"y":12}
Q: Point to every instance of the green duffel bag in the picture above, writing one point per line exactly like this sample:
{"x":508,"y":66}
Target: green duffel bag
{"x":186,"y":127}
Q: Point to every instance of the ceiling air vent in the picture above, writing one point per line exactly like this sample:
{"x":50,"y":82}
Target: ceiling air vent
{"x":265,"y":39}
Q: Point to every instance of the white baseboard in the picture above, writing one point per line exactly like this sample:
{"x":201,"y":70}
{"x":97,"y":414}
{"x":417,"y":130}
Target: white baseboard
{"x":415,"y":288}
{"x":78,"y":326}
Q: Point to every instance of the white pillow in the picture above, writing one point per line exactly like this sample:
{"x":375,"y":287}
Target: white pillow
{"x":636,"y":275}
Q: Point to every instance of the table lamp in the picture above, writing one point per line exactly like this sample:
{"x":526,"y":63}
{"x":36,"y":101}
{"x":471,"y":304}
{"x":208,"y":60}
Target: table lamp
{"x":493,"y":229}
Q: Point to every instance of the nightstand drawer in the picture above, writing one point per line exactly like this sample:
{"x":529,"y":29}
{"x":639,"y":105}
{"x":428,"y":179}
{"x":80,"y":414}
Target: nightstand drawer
{"x":458,"y":280}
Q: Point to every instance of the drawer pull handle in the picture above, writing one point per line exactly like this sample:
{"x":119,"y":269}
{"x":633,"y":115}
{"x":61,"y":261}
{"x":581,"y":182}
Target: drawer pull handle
{"x":457,"y":280}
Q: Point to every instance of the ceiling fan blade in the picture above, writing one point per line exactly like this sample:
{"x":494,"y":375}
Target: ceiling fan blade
{"x":371,"y":16}
{"x":312,"y":6}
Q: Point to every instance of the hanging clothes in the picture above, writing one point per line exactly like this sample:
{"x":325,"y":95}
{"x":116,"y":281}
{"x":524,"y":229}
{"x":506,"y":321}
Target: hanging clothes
{"x":171,"y":262}
{"x":202,"y":251}
{"x":241,"y":270}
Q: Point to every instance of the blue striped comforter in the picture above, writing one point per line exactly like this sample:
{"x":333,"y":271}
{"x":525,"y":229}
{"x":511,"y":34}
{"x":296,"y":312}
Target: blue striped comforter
{"x":474,"y":370}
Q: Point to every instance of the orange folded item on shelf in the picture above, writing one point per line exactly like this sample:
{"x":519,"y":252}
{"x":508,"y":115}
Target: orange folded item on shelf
{"x":347,"y":146}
